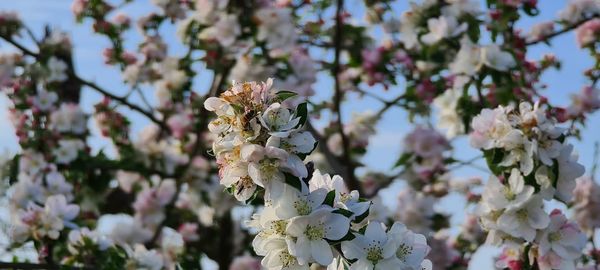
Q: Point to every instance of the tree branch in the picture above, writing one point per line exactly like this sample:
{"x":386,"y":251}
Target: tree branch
{"x":389,"y":104}
{"x":35,"y":266}
{"x":350,"y":178}
{"x":562,"y":31}
{"x":121,"y":100}
{"x":19,"y":46}
{"x":92,"y":85}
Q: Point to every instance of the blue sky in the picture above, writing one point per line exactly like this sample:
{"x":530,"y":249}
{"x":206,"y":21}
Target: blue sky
{"x":385,"y":146}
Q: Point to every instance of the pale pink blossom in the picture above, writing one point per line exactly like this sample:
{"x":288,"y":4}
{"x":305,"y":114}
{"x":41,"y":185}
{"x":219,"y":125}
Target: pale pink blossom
{"x":588,"y":33}
{"x":245,"y":262}
{"x":179,"y":124}
{"x":78,"y":7}
{"x":587,"y":203}
{"x":426,"y":142}
{"x":189,"y":231}
{"x":540,"y":31}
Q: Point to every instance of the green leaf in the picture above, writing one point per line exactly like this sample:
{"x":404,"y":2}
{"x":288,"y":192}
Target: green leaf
{"x":405,"y":157}
{"x":439,"y":222}
{"x":344,"y":212}
{"x":302,"y":112}
{"x":362,"y":217}
{"x":493,"y":157}
{"x":330,"y":198}
{"x":14,"y":169}
{"x":283,"y":95}
{"x":554,"y":173}
{"x":530,"y":10}
{"x":304,"y":155}
{"x":254,"y":198}
{"x":349,"y":236}
{"x":293,"y":181}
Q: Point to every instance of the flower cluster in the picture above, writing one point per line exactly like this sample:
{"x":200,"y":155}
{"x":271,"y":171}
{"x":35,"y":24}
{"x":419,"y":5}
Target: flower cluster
{"x":531,"y":163}
{"x":260,"y":148}
{"x":424,"y":159}
{"x":587,"y":203}
{"x":42,"y":194}
{"x":61,"y":191}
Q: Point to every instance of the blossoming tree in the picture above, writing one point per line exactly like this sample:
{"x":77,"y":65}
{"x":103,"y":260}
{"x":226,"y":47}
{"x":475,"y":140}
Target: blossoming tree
{"x":257,"y":171}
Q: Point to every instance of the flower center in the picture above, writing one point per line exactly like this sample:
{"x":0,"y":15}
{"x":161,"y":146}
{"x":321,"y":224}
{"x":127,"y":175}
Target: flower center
{"x":314,"y":232}
{"x":495,"y":215}
{"x":269,"y":167}
{"x":403,"y":251}
{"x":276,"y":227}
{"x":279,"y":226}
{"x":286,"y":145}
{"x":374,"y":253}
{"x":508,"y":194}
{"x":521,"y":215}
{"x":344,"y":197}
{"x":302,"y":207}
{"x":554,"y":237}
{"x":286,"y":259}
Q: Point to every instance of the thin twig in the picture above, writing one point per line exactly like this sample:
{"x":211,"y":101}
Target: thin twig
{"x":143,"y":97}
{"x":470,"y":162}
{"x":121,"y":100}
{"x":389,"y":104}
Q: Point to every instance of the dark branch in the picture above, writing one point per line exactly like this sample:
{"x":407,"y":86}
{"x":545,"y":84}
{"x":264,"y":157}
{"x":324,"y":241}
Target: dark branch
{"x":388,"y":104}
{"x":92,"y":85}
{"x":350,"y":178}
{"x":121,"y":100}
{"x":35,"y":266}
{"x":562,"y":31}
{"x":19,"y":46}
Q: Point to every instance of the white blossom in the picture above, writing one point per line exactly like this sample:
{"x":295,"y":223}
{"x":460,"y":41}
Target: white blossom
{"x":279,"y":120}
{"x":145,"y":259}
{"x":276,"y":28}
{"x":511,"y":196}
{"x":45,"y":100}
{"x":67,"y":151}
{"x":523,"y":222}
{"x":57,"y":70}
{"x":312,"y":231}
{"x":442,"y":27}
{"x":225,"y":30}
{"x":493,"y":57}
{"x":69,"y":118}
